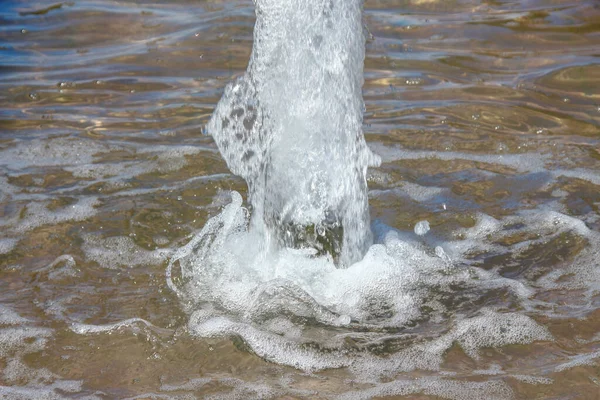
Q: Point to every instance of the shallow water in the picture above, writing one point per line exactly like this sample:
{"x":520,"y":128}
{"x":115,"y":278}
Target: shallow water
{"x":486,"y":116}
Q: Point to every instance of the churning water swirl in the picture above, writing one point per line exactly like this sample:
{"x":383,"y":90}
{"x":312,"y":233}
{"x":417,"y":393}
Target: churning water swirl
{"x":432,"y":232}
{"x":302,"y":277}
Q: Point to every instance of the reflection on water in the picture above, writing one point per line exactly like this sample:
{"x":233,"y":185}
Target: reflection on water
{"x":486,"y":115}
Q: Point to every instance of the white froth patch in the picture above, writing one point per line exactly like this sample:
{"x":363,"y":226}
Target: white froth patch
{"x":226,"y":265}
{"x":22,"y":340}
{"x":16,"y":370}
{"x":527,"y":162}
{"x":62,"y":267}
{"x":259,"y":289}
{"x":9,"y":317}
{"x":7,"y":245}
{"x":244,"y":390}
{"x":191,"y":385}
{"x":98,"y":171}
{"x":6,"y":189}
{"x":493,"y":329}
{"x":84,"y":329}
{"x":37,"y":214}
{"x":172,"y":158}
{"x":21,"y":380}
{"x":162,"y":159}
{"x":118,"y":251}
{"x":52,"y":391}
{"x":533,"y":380}
{"x":51,"y":152}
{"x":578,"y":361}
{"x":267,"y":345}
{"x":444,"y":388}
{"x":580,"y":173}
{"x":421,"y":228}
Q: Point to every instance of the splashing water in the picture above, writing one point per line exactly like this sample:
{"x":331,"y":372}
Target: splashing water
{"x":269,"y":274}
{"x":292,"y":127}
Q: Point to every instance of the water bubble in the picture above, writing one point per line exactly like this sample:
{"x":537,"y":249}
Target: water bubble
{"x":413,"y":81}
{"x":343,"y":320}
{"x":422,"y":227}
{"x":320,"y":230}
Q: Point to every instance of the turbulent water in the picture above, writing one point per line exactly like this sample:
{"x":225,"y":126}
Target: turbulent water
{"x":292,"y":127}
{"x":440,"y":239}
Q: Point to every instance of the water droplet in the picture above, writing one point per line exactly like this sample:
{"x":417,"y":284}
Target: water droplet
{"x":24,"y":31}
{"x":413,"y":81}
{"x":421,"y":228}
{"x":343,"y":320}
{"x":320,"y":230}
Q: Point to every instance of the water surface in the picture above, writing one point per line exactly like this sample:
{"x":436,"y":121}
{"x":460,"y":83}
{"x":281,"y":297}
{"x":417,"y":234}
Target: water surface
{"x":486,"y":115}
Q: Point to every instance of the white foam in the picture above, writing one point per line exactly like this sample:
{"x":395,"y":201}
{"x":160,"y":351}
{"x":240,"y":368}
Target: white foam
{"x":578,"y":361}
{"x":159,"y":158}
{"x":534,"y":380}
{"x":83,"y":329}
{"x":37,"y":214}
{"x":192,"y":384}
{"x":9,"y":317}
{"x":254,"y":290}
{"x":494,"y":329}
{"x":51,"y":152}
{"x":444,"y":388}
{"x":529,"y":162}
{"x":579,"y":173}
{"x":118,"y":251}
{"x":57,"y":390}
{"x":7,"y":245}
{"x":22,"y":340}
{"x":290,"y":126}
